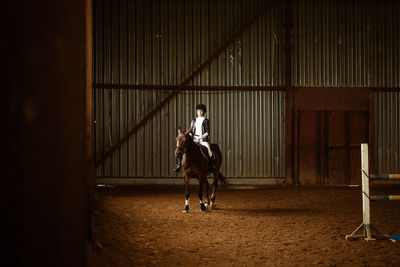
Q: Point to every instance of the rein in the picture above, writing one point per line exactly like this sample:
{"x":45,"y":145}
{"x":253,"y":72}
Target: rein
{"x":192,"y":143}
{"x":201,"y":150}
{"x":199,"y":147}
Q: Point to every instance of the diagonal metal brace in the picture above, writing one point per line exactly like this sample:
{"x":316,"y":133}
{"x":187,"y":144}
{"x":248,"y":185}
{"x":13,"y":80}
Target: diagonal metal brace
{"x":158,"y":108}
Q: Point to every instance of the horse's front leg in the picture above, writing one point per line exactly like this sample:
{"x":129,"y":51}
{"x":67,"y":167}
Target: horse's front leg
{"x":202,"y":206}
{"x":187,"y":195}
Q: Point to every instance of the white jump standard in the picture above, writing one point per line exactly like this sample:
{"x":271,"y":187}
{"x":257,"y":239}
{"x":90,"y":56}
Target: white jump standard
{"x":366,"y":228}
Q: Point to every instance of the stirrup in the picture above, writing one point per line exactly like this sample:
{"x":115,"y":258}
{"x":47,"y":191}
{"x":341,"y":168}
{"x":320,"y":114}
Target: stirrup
{"x":177,"y":168}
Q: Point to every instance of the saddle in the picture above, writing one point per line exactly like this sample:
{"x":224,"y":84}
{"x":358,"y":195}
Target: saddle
{"x":210,"y":161}
{"x":204,"y":151}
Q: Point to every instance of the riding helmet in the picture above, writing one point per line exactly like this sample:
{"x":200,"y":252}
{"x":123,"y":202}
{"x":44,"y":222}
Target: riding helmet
{"x":202,"y":107}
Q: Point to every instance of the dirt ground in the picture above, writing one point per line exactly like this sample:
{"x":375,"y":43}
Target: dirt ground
{"x":265,"y":226}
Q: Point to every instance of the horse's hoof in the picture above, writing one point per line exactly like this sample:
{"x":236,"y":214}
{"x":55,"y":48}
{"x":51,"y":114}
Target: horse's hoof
{"x":186,"y":209}
{"x":203,"y":207}
{"x":212,"y":206}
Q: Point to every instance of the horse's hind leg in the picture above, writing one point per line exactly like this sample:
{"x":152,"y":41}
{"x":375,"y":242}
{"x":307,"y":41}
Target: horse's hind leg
{"x":207,"y":204}
{"x":202,"y":206}
{"x":187,"y":195}
{"x":215,"y":185}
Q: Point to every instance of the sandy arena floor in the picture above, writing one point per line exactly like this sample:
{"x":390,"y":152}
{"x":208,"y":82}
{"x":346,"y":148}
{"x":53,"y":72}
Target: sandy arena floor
{"x":281,"y":226}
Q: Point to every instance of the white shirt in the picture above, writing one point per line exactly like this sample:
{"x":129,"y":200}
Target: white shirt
{"x":198,"y":126}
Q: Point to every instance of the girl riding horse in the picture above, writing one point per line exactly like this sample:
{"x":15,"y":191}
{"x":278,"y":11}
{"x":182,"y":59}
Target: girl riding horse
{"x":200,"y":131}
{"x":194,"y":162}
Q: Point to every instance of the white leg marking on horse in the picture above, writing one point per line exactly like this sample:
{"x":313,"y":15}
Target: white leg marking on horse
{"x":186,"y":202}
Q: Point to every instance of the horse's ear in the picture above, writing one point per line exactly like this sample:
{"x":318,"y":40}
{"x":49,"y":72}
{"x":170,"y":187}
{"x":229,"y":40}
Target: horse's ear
{"x":179,"y":130}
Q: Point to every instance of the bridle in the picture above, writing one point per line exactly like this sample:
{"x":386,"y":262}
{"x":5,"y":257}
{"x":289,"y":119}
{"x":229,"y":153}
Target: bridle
{"x":178,"y":144}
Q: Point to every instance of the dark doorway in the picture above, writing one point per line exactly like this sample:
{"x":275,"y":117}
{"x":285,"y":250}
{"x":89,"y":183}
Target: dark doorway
{"x":328,"y":145}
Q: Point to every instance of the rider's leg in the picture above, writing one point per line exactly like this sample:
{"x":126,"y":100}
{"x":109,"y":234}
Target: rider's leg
{"x":210,"y":155}
{"x":207,"y":145}
{"x":178,"y":166}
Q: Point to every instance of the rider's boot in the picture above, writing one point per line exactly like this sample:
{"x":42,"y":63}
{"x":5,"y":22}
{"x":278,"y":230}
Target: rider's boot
{"x":178,"y":167}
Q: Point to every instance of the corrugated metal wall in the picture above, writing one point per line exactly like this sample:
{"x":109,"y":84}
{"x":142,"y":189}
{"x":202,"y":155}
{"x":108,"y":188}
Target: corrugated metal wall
{"x":161,"y":42}
{"x":244,"y":124}
{"x":346,"y":43}
{"x":353,"y":44}
{"x":387,"y":132}
{"x":335,"y":43}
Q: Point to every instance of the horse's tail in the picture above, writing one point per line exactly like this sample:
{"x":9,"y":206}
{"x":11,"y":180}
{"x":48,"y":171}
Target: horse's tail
{"x":222,"y":179}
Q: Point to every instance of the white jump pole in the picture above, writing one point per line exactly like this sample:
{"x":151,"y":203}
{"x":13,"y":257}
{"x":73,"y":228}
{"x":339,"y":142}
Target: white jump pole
{"x":366,"y":226}
{"x":365,"y":191}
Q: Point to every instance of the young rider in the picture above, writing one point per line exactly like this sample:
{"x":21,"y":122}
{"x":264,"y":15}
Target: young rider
{"x":200,"y":131}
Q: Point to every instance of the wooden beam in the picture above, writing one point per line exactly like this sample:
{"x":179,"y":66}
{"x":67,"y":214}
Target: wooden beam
{"x":110,"y":86}
{"x":198,"y":70}
{"x":89,"y":86}
{"x":386,"y":89}
{"x":91,"y":183}
{"x":289,"y":95}
{"x":187,"y":88}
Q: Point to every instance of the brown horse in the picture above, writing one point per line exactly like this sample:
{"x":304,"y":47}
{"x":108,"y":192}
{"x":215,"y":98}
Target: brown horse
{"x":195,"y":165}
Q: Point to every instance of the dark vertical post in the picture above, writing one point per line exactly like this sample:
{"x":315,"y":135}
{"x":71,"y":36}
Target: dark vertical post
{"x":319,"y":115}
{"x":347,"y":144}
{"x":89,"y":87}
{"x":371,"y":126}
{"x":296,"y":131}
{"x":324,"y":145}
{"x":289,"y":94}
{"x":46,"y":183}
{"x":89,"y":110}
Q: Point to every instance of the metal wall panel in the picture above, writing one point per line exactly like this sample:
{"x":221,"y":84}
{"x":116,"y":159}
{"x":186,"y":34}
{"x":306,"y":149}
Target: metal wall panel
{"x":346,"y":43}
{"x":160,"y":43}
{"x":248,"y":127}
{"x":387,"y":132}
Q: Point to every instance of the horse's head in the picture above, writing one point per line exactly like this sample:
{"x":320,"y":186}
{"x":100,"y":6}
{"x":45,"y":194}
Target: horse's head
{"x":182,"y":141}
